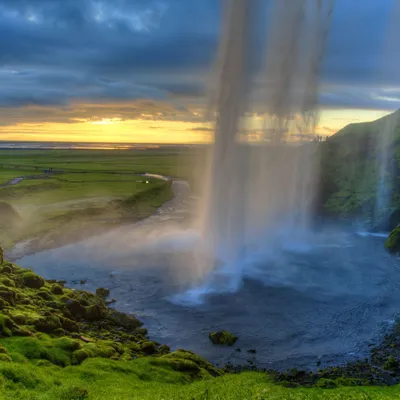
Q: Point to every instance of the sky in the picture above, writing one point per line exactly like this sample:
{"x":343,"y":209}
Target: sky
{"x":138,"y":70}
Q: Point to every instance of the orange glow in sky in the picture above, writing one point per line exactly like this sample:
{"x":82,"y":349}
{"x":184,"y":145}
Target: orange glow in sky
{"x":149,"y":128}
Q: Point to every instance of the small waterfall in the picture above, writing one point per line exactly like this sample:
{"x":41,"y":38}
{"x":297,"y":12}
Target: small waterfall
{"x":261,"y":184}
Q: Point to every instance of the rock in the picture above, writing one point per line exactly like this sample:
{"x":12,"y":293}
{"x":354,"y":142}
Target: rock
{"x":1,"y":256}
{"x":86,"y":339}
{"x":252,"y":351}
{"x":44,"y":295}
{"x":108,"y":302}
{"x":102,"y":292}
{"x":6,"y":270}
{"x":83,"y":281}
{"x":57,"y":289}
{"x":48,"y":325}
{"x":80,"y":355}
{"x":223,"y":338}
{"x":164,"y":349}
{"x":95,"y":312}
{"x":69,"y":325}
{"x":75,"y":308}
{"x":33,"y":281}
{"x":124,"y":320}
{"x":8,"y":295}
{"x":392,"y":243}
{"x":148,"y":347}
{"x":61,"y":283}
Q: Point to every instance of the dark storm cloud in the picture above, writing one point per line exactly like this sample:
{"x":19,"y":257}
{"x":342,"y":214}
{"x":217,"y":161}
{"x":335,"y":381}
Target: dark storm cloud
{"x":53,"y":52}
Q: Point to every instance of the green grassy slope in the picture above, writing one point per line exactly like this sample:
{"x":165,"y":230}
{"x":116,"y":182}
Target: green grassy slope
{"x":350,"y":171}
{"x":83,"y":192}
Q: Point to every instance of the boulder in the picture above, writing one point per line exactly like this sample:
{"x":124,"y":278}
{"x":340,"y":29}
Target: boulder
{"x":223,"y":338}
{"x":57,"y":289}
{"x":392,"y":243}
{"x":33,"y":281}
{"x":102,"y":292}
{"x":124,"y":320}
{"x":48,"y":325}
{"x":75,"y":308}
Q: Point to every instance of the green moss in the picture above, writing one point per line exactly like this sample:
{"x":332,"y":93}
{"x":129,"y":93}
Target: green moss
{"x":326,"y":383}
{"x":32,"y":280}
{"x":5,"y":357}
{"x":392,"y":243}
{"x":223,"y":338}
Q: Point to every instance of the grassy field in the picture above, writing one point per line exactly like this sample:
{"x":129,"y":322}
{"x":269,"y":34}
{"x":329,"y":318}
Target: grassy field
{"x":82,"y":186}
{"x":147,"y":379}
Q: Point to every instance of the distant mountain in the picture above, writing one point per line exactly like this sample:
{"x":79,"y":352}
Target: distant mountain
{"x":360,"y":169}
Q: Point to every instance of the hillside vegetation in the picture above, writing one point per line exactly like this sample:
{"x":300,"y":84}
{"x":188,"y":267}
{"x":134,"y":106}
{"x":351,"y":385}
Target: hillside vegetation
{"x":354,"y":164}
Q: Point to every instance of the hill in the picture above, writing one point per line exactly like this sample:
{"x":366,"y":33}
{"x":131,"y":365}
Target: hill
{"x":360,"y":168}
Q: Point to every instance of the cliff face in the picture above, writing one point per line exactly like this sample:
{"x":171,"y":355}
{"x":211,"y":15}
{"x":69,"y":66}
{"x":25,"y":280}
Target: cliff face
{"x":360,"y":173}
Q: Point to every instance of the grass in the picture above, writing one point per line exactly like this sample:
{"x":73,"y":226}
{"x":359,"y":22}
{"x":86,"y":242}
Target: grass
{"x":99,"y":379}
{"x":82,"y":187}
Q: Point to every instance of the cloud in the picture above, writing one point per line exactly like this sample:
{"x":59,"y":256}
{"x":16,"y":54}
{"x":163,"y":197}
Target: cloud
{"x":62,"y":53}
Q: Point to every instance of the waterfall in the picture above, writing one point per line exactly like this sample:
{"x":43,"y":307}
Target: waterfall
{"x":261,"y":184}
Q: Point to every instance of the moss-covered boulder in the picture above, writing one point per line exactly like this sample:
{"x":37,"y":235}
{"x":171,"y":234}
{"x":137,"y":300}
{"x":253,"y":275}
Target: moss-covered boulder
{"x":31,"y":280}
{"x":49,"y":324}
{"x":392,"y":243}
{"x":102,"y":292}
{"x":223,"y":338}
{"x":126,"y":321}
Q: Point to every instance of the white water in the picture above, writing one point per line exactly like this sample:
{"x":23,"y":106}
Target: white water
{"x":260,"y":188}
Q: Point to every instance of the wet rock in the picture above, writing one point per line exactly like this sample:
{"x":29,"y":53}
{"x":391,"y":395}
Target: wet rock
{"x":124,"y":320}
{"x":61,"y":283}
{"x":392,"y":243}
{"x":95,"y":312}
{"x":252,"y":351}
{"x":102,"y":292}
{"x":223,"y":338}
{"x":83,"y":281}
{"x":33,"y":281}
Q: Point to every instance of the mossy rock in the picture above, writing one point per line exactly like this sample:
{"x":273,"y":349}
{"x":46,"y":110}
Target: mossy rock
{"x":126,"y":321}
{"x":6,"y":325}
{"x":57,"y":289}
{"x":48,"y":325}
{"x":5,"y":357}
{"x":95,"y":312}
{"x":223,"y":338}
{"x":102,"y":292}
{"x":33,"y":281}
{"x":44,"y":295}
{"x":69,"y":325}
{"x":76,"y":309}
{"x":392,"y":243}
{"x":148,"y":348}
{"x":7,"y":282}
{"x":78,"y":356}
{"x":8,"y":295}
